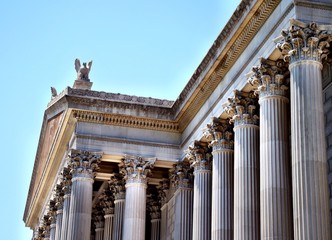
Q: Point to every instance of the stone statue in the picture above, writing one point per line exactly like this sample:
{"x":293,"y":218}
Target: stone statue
{"x":54,"y":92}
{"x":82,"y":71}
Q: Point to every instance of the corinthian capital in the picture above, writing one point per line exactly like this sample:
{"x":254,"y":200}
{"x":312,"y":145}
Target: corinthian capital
{"x":136,"y":169}
{"x":199,"y":156}
{"x":58,"y":196}
{"x":181,"y":175}
{"x":66,"y":180}
{"x":304,"y":41}
{"x":106,"y":202}
{"x":83,"y":163}
{"x":220,"y":134}
{"x":117,"y":186}
{"x":269,"y":78}
{"x":241,"y":108}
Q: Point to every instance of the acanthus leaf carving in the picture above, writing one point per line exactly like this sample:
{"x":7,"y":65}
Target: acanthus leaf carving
{"x":270,"y":78}
{"x":136,"y":168}
{"x":83,"y":163}
{"x":220,"y":134}
{"x":241,"y":108}
{"x":304,"y":41}
{"x":199,"y":156}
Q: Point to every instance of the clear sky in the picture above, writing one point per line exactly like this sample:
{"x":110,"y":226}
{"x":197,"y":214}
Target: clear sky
{"x":143,"y":48}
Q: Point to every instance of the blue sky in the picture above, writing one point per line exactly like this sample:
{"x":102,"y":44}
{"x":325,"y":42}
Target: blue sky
{"x":144,"y":48}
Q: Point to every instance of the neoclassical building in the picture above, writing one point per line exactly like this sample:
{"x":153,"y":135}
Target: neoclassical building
{"x":245,"y":151}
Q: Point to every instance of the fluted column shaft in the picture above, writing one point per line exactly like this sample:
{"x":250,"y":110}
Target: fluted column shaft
{"x":222,"y":194}
{"x":183,"y":213}
{"x":79,"y":224}
{"x":108,"y":227}
{"x":65,"y":217}
{"x":155,"y":229}
{"x":118,"y":219}
{"x":246,"y":185}
{"x":163,"y":223}
{"x":309,"y":174}
{"x":99,"y":234}
{"x":275,"y":186}
{"x":52,"y":231}
{"x":135,"y":211}
{"x":58,"y":224}
{"x":202,"y":205}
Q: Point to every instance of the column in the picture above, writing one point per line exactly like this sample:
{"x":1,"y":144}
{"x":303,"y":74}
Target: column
{"x":153,"y":207}
{"x":52,"y":219}
{"x":200,"y":159}
{"x":66,"y":179}
{"x":241,"y":108}
{"x":183,"y":229}
{"x":83,"y":165}
{"x":99,"y":226}
{"x":162,"y":192}
{"x":59,"y":212}
{"x":275,"y":184}
{"x":117,"y":186}
{"x":107,"y":203}
{"x":136,"y":170}
{"x":305,"y":46}
{"x":220,"y":134}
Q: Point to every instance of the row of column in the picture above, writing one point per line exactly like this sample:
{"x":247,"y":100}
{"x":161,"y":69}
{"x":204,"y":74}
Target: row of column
{"x":248,"y":190}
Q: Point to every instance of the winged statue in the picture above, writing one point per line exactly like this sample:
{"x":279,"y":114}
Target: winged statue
{"x":82,"y":71}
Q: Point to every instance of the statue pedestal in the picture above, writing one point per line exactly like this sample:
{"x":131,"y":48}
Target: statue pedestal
{"x":82,"y":84}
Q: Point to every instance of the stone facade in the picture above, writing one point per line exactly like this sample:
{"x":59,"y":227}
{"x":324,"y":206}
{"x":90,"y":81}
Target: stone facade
{"x":245,"y":152}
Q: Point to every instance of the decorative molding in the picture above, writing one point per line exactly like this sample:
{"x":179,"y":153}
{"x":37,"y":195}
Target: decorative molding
{"x":126,"y":121}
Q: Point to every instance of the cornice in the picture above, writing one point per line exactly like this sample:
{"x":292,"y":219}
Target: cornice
{"x":53,"y":161}
{"x":228,"y":56}
{"x":126,"y":121}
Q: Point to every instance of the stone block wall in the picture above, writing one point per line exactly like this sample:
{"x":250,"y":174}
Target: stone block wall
{"x":327,"y":98}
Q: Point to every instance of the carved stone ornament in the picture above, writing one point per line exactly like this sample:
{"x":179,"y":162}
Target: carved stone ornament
{"x":199,"y":156}
{"x":52,"y":212}
{"x":163,"y":189}
{"x":83,"y":163}
{"x":106,"y":202}
{"x":270,"y":78}
{"x":98,"y":218}
{"x":241,"y":108}
{"x":66,"y":180}
{"x":220,"y":134}
{"x":153,"y":207}
{"x":82,"y":71}
{"x":58,"y":196}
{"x":136,"y":169}
{"x":304,"y":41}
{"x":181,"y":175}
{"x":117,"y":186}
